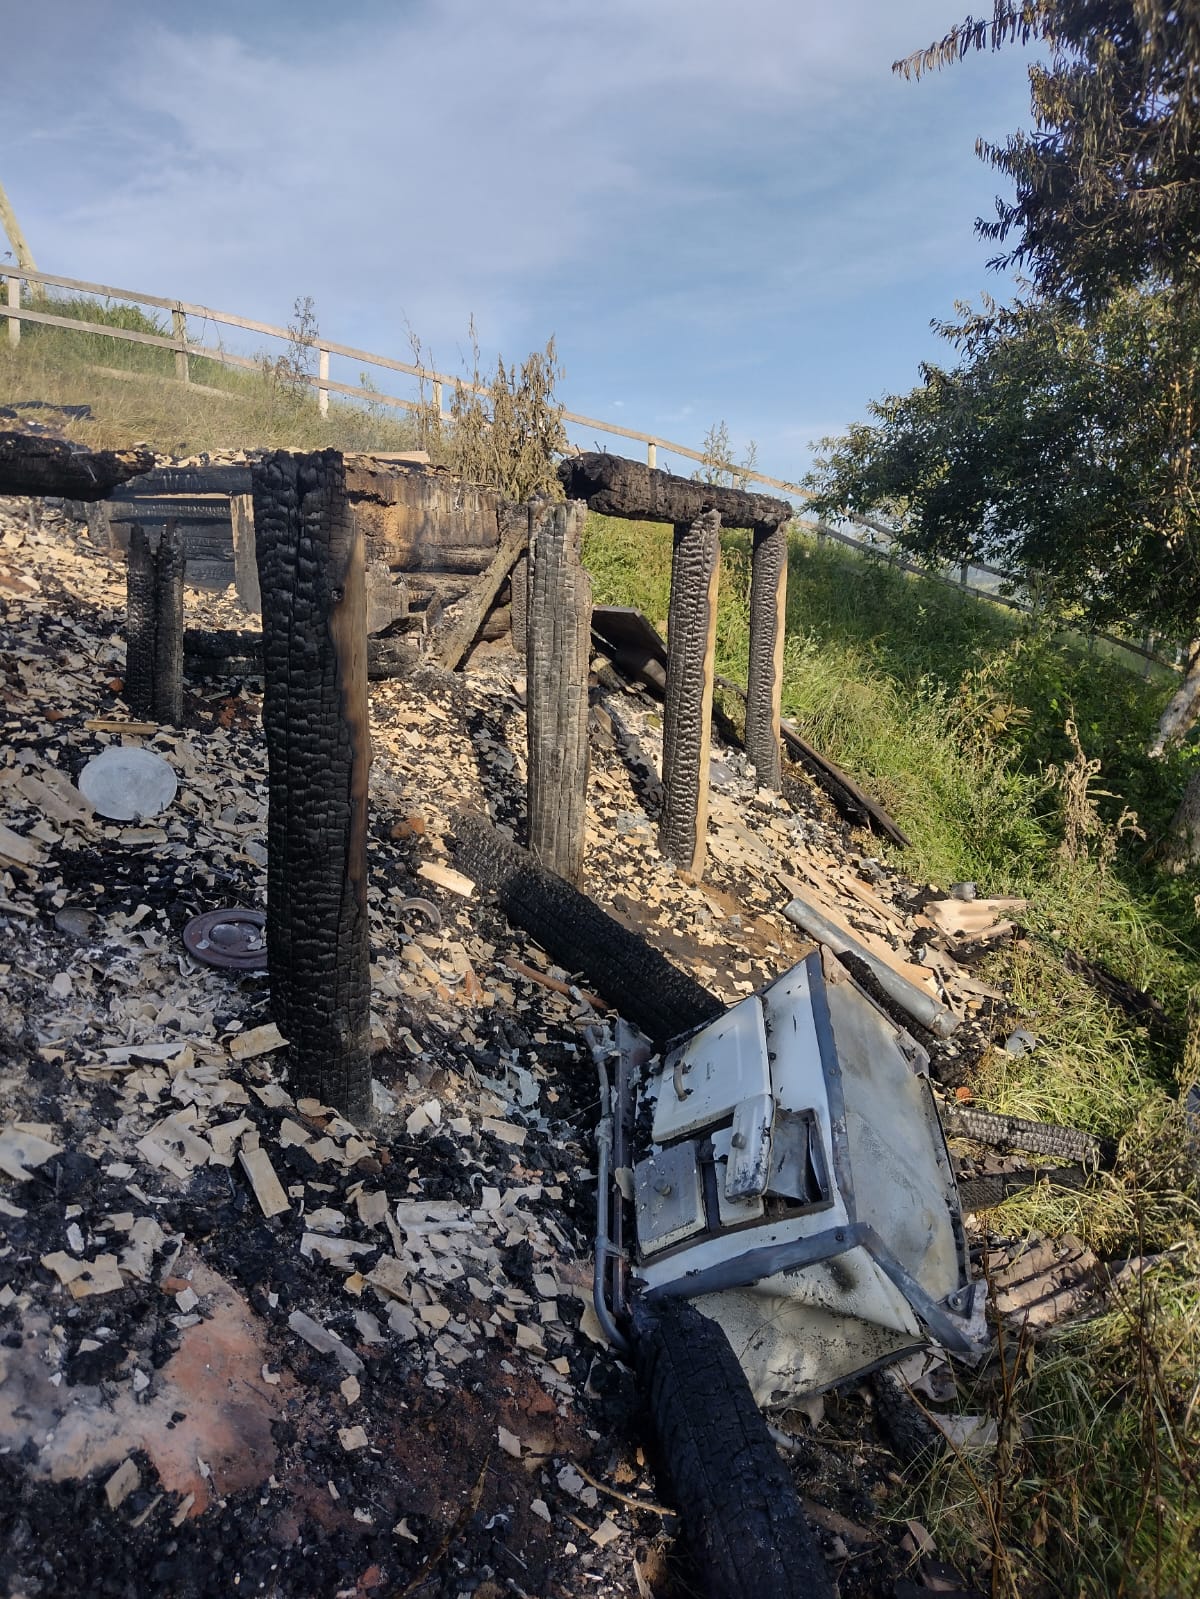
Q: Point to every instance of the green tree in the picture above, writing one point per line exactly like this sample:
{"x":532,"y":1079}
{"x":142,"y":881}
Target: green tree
{"x":1108,"y":183}
{"x":1050,"y":448}
{"x":1107,"y":198}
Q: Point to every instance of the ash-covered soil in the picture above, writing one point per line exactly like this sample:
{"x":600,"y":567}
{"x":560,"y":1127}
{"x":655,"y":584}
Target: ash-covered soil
{"x":394,"y":1383}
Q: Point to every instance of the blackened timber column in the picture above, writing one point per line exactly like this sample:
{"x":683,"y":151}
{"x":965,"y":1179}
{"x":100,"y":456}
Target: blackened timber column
{"x":154,"y":625}
{"x":687,"y":715}
{"x":764,"y":681}
{"x":311,"y":577}
{"x":558,"y":650}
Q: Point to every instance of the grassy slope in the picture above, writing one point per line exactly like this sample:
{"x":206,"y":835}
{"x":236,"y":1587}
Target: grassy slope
{"x":954,"y":711}
{"x":133,"y":394}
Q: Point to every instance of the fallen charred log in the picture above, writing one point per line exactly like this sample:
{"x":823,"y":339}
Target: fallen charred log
{"x":620,"y":965}
{"x":33,"y":464}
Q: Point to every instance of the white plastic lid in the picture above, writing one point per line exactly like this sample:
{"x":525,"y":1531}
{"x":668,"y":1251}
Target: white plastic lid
{"x":127,"y":783}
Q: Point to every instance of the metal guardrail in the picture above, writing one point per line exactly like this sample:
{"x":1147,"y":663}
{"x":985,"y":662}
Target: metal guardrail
{"x":185,"y":349}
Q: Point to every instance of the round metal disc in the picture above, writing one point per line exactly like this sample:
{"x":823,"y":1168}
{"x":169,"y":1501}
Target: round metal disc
{"x":233,"y":938}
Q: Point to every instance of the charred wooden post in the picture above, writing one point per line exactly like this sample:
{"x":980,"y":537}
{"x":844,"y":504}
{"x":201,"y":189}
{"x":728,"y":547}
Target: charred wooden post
{"x":168,"y":627}
{"x":154,"y":625}
{"x":687,"y":715}
{"x":311,"y":574}
{"x":764,"y":680}
{"x":560,"y":624}
{"x":140,"y":596}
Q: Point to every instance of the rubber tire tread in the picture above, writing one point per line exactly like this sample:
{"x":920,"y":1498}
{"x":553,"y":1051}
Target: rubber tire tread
{"x":621,"y":966}
{"x":983,"y":1193}
{"x":1011,"y":1132}
{"x":741,"y":1516}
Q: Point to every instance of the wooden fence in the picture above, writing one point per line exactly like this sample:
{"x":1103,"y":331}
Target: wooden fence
{"x":184,"y":349}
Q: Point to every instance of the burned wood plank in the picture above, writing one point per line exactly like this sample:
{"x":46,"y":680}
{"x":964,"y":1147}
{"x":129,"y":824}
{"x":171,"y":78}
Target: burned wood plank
{"x":245,"y":561}
{"x":615,"y":486}
{"x":234,"y":652}
{"x":687,"y":715}
{"x":620,"y":965}
{"x":764,"y":678}
{"x":559,"y":638}
{"x":230,"y":479}
{"x":851,"y":800}
{"x":310,"y":562}
{"x":415,"y":515}
{"x":453,"y":640}
{"x":31,"y":463}
{"x":154,"y":625}
{"x":520,"y":605}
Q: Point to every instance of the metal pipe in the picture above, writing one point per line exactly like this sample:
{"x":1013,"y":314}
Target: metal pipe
{"x":604,"y":1248}
{"x":936,"y":1018}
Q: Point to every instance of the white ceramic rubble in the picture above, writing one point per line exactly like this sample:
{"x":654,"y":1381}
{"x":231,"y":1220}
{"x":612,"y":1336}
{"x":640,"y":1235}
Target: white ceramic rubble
{"x":127,"y":783}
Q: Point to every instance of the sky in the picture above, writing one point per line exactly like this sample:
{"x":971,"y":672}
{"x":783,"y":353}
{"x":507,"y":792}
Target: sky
{"x":721,"y":209}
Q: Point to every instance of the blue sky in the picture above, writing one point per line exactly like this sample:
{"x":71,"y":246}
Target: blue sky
{"x":722,"y":209}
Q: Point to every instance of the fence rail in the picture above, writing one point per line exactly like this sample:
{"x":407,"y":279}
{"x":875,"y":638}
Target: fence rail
{"x":185,"y":349}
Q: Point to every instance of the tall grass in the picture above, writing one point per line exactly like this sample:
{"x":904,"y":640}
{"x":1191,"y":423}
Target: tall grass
{"x":955,"y":713}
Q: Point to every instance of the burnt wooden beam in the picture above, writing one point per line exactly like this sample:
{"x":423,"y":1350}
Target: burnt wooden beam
{"x":452,"y":640}
{"x":619,"y":964}
{"x":227,"y":480}
{"x":615,"y":486}
{"x":851,"y":801}
{"x":154,"y":625}
{"x":311,"y":574}
{"x":687,"y":713}
{"x":764,"y":680}
{"x":559,"y":647}
{"x":31,"y":463}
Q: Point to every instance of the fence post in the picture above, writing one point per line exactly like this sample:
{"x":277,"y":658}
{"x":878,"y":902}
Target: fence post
{"x":560,"y":625}
{"x":652,"y":455}
{"x":687,"y":713}
{"x":437,"y":400}
{"x":764,"y":680}
{"x":154,"y":625}
{"x":14,"y":301}
{"x":179,"y":327}
{"x":315,"y":721}
{"x":323,"y":377}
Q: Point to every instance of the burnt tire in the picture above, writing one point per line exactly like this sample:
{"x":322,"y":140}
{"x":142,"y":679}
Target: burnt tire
{"x":743,"y":1522}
